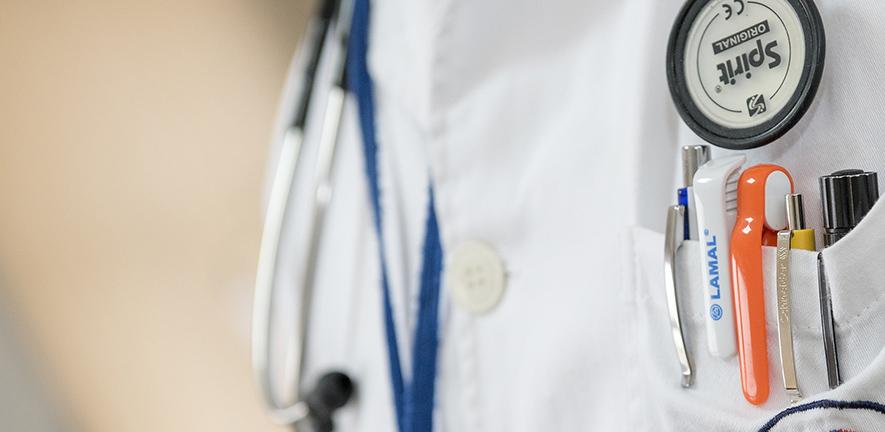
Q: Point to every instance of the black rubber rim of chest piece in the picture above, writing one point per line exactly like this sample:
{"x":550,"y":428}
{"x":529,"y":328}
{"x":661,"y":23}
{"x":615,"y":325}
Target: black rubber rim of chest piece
{"x":770,"y":130}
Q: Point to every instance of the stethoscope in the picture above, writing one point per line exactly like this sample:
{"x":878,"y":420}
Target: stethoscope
{"x":315,"y":408}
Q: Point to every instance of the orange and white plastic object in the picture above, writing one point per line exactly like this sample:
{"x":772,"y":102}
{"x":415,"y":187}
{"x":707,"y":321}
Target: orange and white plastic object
{"x":760,"y":215}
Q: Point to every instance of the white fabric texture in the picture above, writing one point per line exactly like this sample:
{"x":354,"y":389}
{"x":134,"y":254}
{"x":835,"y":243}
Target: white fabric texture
{"x":548,"y":133}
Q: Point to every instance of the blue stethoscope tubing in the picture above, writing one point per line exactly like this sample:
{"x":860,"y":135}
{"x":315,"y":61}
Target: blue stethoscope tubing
{"x":414,"y":397}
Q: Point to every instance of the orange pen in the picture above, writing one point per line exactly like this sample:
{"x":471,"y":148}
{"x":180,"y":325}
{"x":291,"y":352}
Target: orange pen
{"x":760,"y":215}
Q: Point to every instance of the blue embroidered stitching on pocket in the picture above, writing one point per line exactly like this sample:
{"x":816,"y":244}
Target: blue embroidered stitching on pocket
{"x":824,"y":404}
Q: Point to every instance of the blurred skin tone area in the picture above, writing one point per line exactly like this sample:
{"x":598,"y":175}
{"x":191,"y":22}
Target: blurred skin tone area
{"x":133,"y":145}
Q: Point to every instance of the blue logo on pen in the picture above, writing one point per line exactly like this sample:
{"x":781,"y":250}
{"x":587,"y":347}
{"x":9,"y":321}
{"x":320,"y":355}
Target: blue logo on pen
{"x":712,"y":265}
{"x":716,"y":312}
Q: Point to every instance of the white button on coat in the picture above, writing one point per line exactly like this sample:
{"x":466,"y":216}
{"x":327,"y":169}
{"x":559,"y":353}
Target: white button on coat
{"x":475,"y":276}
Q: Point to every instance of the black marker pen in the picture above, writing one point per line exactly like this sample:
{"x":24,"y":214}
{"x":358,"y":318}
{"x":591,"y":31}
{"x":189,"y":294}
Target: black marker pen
{"x":847,"y":197}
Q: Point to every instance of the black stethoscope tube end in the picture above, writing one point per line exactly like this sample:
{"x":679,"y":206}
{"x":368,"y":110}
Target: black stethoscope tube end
{"x":332,"y":392}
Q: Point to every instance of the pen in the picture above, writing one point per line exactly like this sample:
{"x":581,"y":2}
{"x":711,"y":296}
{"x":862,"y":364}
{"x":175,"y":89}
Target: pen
{"x":681,"y":224}
{"x":715,"y":190}
{"x":693,"y":157}
{"x":673,"y":239}
{"x":784,"y":316}
{"x":761,"y":214}
{"x":802,"y":237}
{"x":794,"y":237}
{"x":847,"y":197}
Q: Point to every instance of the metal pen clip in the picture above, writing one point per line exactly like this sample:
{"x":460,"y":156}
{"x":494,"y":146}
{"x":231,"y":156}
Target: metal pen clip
{"x":784,"y":317}
{"x":673,"y":239}
{"x":693,"y":157}
{"x":828,"y":325}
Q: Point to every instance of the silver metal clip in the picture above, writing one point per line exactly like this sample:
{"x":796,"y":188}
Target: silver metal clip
{"x":673,"y":239}
{"x":784,"y":317}
{"x":828,"y":325}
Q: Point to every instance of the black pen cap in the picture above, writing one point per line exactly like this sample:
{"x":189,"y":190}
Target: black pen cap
{"x":847,"y":197}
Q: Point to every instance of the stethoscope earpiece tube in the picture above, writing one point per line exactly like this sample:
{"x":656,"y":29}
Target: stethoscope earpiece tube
{"x":336,"y":388}
{"x":313,"y":48}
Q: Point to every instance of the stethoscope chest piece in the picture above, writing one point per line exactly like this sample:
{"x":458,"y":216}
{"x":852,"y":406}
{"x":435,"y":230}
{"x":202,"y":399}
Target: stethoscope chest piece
{"x":743,"y":72}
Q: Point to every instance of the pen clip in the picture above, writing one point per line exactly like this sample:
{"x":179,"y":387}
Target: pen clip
{"x":673,"y":240}
{"x":828,"y":325}
{"x":784,"y":316}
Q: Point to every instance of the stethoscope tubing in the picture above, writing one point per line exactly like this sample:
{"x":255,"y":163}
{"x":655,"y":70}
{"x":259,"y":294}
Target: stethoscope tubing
{"x":266,"y":285}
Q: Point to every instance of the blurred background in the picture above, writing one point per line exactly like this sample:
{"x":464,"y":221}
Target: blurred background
{"x":133,"y":143}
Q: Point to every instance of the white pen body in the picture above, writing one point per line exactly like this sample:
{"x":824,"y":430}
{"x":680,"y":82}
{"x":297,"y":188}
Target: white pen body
{"x":715,"y":206}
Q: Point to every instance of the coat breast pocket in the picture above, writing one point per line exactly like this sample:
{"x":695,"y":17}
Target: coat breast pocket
{"x":715,"y":400}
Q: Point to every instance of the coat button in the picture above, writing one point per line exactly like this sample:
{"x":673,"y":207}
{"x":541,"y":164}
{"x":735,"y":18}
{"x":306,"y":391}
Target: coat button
{"x":475,"y":277}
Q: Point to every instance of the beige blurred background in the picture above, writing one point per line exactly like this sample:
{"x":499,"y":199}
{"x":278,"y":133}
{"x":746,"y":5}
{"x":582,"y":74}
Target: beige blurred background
{"x":133,"y":141}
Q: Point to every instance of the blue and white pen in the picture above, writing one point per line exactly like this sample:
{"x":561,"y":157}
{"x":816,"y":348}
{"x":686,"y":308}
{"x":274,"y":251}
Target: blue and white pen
{"x":715,"y":192}
{"x":680,"y":226}
{"x":693,"y":157}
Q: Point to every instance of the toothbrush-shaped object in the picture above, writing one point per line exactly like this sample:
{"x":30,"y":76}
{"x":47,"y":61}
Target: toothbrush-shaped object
{"x":761,"y":214}
{"x":715,"y":190}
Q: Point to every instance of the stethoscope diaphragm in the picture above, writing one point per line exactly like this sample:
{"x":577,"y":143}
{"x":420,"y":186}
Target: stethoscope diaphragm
{"x":743,"y":72}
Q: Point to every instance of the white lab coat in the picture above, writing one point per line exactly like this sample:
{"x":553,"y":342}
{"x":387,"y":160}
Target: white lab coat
{"x":548,"y":133}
